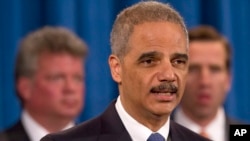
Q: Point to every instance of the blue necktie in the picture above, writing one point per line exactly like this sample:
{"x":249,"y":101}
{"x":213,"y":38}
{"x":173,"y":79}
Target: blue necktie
{"x":155,"y":137}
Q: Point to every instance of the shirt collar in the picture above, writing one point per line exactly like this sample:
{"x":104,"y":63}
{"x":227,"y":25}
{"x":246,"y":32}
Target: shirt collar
{"x":215,"y":129}
{"x":30,"y":125}
{"x":137,"y":131}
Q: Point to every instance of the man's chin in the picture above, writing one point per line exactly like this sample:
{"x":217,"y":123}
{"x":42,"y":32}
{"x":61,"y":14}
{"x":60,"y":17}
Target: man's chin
{"x":165,"y":109}
{"x":69,"y":114}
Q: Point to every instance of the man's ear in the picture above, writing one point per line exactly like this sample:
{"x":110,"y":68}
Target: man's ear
{"x":24,"y":87}
{"x":115,"y":68}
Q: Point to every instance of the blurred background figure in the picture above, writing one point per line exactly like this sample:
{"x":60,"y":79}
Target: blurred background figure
{"x":49,"y":78}
{"x":208,"y":82}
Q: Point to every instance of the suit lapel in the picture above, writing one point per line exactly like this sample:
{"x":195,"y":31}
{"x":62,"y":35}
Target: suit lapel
{"x":112,"y":127}
{"x":173,"y":133}
{"x":176,"y":133}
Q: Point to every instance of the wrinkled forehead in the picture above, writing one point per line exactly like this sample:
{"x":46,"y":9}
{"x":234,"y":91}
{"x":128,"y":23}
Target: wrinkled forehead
{"x":157,"y":34}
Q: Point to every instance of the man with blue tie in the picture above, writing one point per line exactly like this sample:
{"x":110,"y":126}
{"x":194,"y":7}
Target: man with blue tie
{"x":149,"y":62}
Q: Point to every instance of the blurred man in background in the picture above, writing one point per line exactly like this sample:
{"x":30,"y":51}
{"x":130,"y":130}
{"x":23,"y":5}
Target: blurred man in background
{"x":208,"y":83}
{"x":49,"y":77}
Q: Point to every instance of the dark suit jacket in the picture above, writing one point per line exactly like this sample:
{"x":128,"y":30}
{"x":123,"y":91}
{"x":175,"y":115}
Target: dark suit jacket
{"x":109,"y":127}
{"x":15,"y":133}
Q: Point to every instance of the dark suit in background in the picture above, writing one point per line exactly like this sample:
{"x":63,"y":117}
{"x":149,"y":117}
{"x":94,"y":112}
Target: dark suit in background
{"x":15,"y":133}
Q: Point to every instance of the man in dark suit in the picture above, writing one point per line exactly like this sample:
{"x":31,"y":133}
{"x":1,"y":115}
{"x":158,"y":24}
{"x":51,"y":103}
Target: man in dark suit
{"x":149,"y":61}
{"x":208,"y":83}
{"x":49,"y":82}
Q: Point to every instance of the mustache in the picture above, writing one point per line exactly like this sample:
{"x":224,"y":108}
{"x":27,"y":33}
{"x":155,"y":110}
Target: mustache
{"x":166,"y":87}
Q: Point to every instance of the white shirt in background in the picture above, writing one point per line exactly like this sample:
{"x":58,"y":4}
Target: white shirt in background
{"x":34,"y":130}
{"x":215,"y":129}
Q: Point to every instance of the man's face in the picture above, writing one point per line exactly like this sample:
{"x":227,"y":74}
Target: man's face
{"x":152,"y":74}
{"x":208,"y":79}
{"x":57,"y":88}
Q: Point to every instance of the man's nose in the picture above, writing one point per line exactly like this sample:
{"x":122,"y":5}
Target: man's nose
{"x":69,"y":85}
{"x":205,"y":77}
{"x":166,"y":72}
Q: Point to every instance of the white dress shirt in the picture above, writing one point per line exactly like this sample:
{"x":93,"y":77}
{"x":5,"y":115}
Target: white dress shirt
{"x":34,"y":130}
{"x":215,"y":129}
{"x":136,"y":130}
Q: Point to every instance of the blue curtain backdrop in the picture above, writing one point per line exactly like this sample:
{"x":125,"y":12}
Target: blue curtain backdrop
{"x":92,"y":20}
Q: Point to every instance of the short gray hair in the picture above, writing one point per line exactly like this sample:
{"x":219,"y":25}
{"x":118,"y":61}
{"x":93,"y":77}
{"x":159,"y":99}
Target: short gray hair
{"x":46,"y":39}
{"x":149,"y":11}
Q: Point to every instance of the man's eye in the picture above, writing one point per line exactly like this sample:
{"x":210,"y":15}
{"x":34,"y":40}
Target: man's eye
{"x":179,"y":61}
{"x":215,"y":69}
{"x":193,"y":69}
{"x":149,"y":61}
{"x":78,"y":78}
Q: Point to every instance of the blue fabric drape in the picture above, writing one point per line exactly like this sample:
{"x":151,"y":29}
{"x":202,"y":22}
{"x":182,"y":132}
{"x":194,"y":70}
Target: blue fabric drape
{"x":92,"y":20}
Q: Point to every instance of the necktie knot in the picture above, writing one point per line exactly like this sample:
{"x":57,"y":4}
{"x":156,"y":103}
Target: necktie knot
{"x":155,"y":137}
